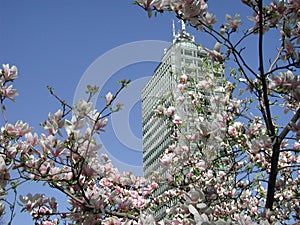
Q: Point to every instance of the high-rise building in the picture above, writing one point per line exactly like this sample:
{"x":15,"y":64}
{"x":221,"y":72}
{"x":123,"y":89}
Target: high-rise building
{"x":157,"y":133}
{"x":184,"y":56}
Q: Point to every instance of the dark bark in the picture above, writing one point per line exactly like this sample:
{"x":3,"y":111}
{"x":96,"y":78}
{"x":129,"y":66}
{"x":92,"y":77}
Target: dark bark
{"x":275,"y":159}
{"x":273,"y":175}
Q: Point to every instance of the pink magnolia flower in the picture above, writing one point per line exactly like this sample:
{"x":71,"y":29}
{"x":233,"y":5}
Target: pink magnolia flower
{"x":31,"y":139}
{"x":167,"y":159}
{"x":74,"y":125}
{"x":106,"y":183}
{"x":50,"y":126}
{"x":109,"y":98}
{"x":69,"y":175}
{"x":58,"y":115}
{"x":84,"y":108}
{"x":171,"y":111}
{"x":180,"y":99}
{"x":9,"y":74}
{"x":50,"y":222}
{"x":177,"y":119}
{"x":296,"y":146}
{"x":146,"y":3}
{"x":185,"y":149}
{"x":147,"y":218}
{"x":187,"y":9}
{"x":210,"y":19}
{"x":154,"y":185}
{"x":19,"y":129}
{"x":160,"y":110}
{"x":139,"y":203}
{"x":45,"y":168}
{"x":183,"y":78}
{"x":30,"y":161}
{"x":234,"y":130}
{"x":203,"y":84}
{"x":9,"y":92}
{"x":235,"y":22}
{"x":181,"y":87}
{"x":100,"y":124}
{"x":193,"y":137}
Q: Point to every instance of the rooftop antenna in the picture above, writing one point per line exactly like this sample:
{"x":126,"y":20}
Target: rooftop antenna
{"x":173,"y":29}
{"x":182,"y":25}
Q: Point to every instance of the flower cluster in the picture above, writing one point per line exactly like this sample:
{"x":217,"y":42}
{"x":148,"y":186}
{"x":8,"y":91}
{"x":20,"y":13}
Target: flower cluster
{"x":7,"y":75}
{"x":65,"y":157}
{"x":217,"y":166}
{"x":232,"y":160}
{"x":286,"y":85}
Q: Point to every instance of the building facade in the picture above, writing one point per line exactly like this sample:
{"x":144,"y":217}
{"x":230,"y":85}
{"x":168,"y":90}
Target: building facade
{"x":184,"y":56}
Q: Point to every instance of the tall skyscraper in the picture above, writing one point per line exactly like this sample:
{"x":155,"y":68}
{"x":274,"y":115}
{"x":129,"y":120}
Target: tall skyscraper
{"x":184,"y":56}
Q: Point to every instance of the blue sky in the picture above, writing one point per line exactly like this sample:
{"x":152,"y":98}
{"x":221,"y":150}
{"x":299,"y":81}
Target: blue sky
{"x":55,"y":42}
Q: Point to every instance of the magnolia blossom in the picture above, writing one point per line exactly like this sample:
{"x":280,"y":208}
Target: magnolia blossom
{"x":74,"y":125}
{"x":177,"y":119}
{"x":109,"y":98}
{"x":8,"y":92}
{"x":181,"y":87}
{"x":203,"y":84}
{"x":170,"y":111}
{"x":180,"y":99}
{"x":183,"y":78}
{"x":167,"y":159}
{"x":66,"y":158}
{"x":83,"y":107}
{"x":235,"y":22}
{"x":160,"y":110}
{"x":188,"y":9}
{"x":222,"y":162}
{"x":235,"y":129}
{"x":18,"y":129}
{"x":9,"y":73}
{"x":100,"y":124}
{"x":209,"y":19}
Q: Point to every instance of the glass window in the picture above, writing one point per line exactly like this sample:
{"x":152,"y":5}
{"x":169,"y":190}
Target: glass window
{"x":188,"y":61}
{"x":188,"y":52}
